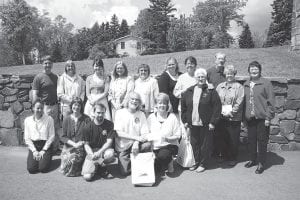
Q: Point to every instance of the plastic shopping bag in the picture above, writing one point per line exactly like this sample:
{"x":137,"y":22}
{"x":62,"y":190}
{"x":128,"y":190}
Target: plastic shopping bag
{"x":185,"y":156}
{"x":142,"y":169}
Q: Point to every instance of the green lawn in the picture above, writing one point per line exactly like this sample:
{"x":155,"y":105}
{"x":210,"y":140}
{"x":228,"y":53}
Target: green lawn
{"x":276,"y":62}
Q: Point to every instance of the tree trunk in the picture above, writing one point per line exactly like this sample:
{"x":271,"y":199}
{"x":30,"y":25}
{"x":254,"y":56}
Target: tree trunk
{"x":23,"y":59}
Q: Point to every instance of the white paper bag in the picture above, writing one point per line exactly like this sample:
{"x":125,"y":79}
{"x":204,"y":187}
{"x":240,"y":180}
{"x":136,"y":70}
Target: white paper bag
{"x":185,"y":156}
{"x":142,"y":169}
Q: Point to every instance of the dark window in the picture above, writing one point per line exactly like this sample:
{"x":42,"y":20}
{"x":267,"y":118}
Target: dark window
{"x":122,"y":45}
{"x":138,"y":45}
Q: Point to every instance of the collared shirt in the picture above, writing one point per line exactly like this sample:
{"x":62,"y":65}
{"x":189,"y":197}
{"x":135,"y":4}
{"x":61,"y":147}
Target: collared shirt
{"x":232,"y":94}
{"x":215,"y":75}
{"x":69,"y":87}
{"x":166,"y":128}
{"x":41,"y":129}
{"x":196,"y":121}
{"x":129,"y":123}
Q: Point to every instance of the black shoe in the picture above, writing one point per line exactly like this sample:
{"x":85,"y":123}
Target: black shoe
{"x":259,"y":170}
{"x":250,"y":164}
{"x":103,"y":172}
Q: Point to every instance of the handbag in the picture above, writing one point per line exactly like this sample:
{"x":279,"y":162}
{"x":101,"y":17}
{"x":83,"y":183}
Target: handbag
{"x":142,"y":169}
{"x":185,"y":156}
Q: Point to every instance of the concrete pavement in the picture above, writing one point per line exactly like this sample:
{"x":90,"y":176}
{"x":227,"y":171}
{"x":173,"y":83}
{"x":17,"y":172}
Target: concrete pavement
{"x":280,"y":181}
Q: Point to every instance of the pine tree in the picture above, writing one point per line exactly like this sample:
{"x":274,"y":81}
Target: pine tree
{"x":124,"y":28}
{"x":245,"y":40}
{"x":114,"y":27}
{"x":162,"y":12}
{"x":280,"y":28}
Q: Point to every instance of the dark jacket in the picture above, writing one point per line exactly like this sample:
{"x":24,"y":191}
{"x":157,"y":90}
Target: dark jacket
{"x":264,"y":99}
{"x":166,"y":85}
{"x":68,"y":128}
{"x":209,"y":109}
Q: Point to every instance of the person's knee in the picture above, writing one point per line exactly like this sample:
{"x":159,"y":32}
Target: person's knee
{"x":44,"y":169}
{"x":109,"y":156}
{"x":88,"y":177}
{"x":32,"y":170}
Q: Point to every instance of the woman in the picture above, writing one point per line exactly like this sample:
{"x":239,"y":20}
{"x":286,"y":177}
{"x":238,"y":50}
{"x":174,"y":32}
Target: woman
{"x":187,"y":79}
{"x":168,"y":80}
{"x":69,"y":86}
{"x":119,"y":88}
{"x":259,"y":110}
{"x":131,"y":127}
{"x":165,"y":133}
{"x":201,"y":110}
{"x":97,"y":86}
{"x":39,"y":135}
{"x":147,"y":87}
{"x":73,"y":154}
{"x":229,"y":127}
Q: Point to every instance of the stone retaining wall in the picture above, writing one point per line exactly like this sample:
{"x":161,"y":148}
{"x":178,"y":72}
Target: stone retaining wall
{"x":15,"y":106}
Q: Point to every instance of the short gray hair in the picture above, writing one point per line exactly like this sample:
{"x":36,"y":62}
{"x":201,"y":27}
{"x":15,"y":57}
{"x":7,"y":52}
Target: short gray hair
{"x":230,"y":68}
{"x":201,"y":71}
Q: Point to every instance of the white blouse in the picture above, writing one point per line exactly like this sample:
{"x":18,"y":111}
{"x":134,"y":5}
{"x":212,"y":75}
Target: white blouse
{"x":148,"y":89}
{"x":158,"y":129}
{"x":42,"y":129}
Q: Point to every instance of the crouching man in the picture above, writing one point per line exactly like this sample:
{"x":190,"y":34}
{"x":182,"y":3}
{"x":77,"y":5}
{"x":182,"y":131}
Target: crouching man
{"x":98,"y":136}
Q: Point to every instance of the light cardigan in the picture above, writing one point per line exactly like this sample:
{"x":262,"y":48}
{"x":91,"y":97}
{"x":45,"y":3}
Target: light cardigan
{"x":183,"y":83}
{"x":119,"y":89}
{"x":148,"y":89}
{"x":42,"y":129}
{"x":70,"y":87}
{"x":170,"y":127}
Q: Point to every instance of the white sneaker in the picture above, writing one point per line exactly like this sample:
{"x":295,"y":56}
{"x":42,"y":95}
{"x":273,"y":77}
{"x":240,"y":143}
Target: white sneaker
{"x":200,"y":169}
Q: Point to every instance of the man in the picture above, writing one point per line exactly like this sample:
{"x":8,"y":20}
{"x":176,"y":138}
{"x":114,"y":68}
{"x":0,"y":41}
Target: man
{"x":215,"y":76}
{"x":44,"y":87}
{"x":98,"y":136}
{"x":131,"y":127}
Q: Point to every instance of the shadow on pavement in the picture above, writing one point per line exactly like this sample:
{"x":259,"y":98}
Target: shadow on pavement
{"x":54,"y":164}
{"x":273,"y":159}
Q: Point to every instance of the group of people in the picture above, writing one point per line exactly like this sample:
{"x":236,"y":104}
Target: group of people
{"x":109,"y":117}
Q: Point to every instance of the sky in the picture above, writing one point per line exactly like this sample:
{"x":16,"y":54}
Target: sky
{"x":84,"y":13}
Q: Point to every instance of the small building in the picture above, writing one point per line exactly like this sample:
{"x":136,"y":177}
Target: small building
{"x":129,"y":45}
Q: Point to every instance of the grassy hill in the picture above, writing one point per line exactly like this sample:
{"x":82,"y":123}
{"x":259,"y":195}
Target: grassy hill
{"x":277,"y":62}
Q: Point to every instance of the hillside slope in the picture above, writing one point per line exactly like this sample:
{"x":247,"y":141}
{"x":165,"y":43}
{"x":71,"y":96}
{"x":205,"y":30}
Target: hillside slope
{"x":277,"y":62}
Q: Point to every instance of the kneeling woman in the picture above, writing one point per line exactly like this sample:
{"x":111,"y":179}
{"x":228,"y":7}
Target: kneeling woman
{"x":73,"y":153}
{"x":39,"y":135}
{"x":165,"y":132}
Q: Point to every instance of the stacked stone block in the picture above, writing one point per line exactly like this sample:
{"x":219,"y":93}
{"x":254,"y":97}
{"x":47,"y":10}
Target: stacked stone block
{"x":15,"y":106}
